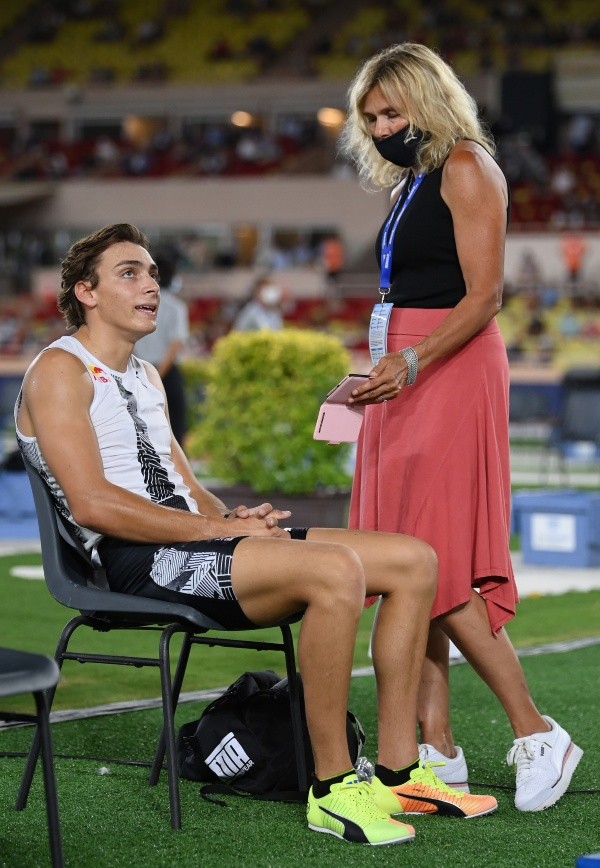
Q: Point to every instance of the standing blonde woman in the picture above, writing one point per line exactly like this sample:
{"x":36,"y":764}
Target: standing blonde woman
{"x":433,"y":458}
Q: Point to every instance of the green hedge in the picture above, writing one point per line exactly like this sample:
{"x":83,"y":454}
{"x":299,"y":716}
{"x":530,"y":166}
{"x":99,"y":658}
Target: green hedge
{"x":262,"y":394}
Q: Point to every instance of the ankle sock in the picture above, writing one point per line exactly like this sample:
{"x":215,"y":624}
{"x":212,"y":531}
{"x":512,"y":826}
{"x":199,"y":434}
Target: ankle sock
{"x":395,"y":777}
{"x":323,"y":788}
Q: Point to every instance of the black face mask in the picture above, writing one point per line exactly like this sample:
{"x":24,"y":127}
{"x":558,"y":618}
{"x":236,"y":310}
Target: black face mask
{"x":400,"y":148}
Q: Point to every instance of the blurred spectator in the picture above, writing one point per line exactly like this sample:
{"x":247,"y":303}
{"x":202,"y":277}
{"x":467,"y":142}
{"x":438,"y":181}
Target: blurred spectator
{"x":148,"y":31}
{"x":101,"y":75}
{"x":106,"y":153}
{"x":569,"y":325}
{"x":264,"y":308}
{"x":261,"y":49}
{"x":332,"y":257}
{"x":529,"y":275}
{"x":563,"y":180}
{"x":521,"y":161}
{"x":580,"y":133}
{"x":39,"y":76}
{"x":138,"y":162}
{"x":112,"y":31}
{"x":220,"y":50}
{"x":573,"y":248}
{"x":164,"y":346}
{"x":151,"y":73}
{"x":57,"y":166}
{"x":256,"y":147}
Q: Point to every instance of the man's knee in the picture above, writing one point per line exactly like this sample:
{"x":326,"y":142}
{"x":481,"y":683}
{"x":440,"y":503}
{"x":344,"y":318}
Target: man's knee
{"x":429,"y":559}
{"x":339,"y":580}
{"x":423,"y":567}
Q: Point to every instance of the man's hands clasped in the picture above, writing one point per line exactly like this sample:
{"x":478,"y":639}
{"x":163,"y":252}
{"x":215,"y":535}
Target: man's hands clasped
{"x":259,"y":520}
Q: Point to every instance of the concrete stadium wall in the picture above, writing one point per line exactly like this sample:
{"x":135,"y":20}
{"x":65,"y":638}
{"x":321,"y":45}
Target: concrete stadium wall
{"x":299,"y":202}
{"x":306,"y":201}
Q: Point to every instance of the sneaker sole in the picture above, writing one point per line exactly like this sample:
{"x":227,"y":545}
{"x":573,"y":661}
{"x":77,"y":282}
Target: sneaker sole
{"x":404,"y":840}
{"x":573,"y":756}
{"x":449,"y":812}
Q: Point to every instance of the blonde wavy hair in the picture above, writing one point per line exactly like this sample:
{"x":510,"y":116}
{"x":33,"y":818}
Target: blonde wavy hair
{"x":416,"y":80}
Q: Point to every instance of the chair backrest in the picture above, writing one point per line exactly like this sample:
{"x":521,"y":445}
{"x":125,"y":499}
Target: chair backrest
{"x":580,"y":412}
{"x":24,"y":672}
{"x":529,"y":404}
{"x":69,"y":576}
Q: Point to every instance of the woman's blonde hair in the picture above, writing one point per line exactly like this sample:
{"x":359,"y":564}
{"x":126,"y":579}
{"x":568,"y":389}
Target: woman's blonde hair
{"x":416,"y":80}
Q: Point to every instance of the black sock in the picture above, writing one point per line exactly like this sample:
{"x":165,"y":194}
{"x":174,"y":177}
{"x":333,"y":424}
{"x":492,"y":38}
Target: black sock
{"x":394,"y":777}
{"x":323,"y":788}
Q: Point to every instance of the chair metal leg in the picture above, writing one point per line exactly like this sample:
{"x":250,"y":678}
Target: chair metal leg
{"x":34,"y":750}
{"x":184,"y":656}
{"x":170,"y":689}
{"x":169,"y":724}
{"x":43,"y":729}
{"x":545,"y":465}
{"x":295,"y":708}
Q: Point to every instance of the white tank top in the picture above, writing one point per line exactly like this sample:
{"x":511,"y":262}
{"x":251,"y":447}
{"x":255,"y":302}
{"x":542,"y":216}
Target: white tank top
{"x":128,"y":415}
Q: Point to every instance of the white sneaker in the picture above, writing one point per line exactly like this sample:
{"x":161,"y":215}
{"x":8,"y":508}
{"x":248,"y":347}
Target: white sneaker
{"x":545,"y":762}
{"x":451,"y":770}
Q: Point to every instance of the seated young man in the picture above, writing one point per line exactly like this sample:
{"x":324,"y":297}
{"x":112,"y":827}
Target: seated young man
{"x":92,"y":420}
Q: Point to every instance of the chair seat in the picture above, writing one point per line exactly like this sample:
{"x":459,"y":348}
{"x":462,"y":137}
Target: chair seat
{"x":23,"y":672}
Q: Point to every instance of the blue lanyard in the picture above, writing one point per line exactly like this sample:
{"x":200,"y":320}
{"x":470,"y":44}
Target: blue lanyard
{"x":389,"y":232}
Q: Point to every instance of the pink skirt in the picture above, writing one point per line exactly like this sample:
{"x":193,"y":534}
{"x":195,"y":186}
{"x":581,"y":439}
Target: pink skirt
{"x":434,"y":463}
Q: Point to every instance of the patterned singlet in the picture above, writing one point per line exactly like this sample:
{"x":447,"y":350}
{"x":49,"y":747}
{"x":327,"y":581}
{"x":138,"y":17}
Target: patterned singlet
{"x":127,"y":412}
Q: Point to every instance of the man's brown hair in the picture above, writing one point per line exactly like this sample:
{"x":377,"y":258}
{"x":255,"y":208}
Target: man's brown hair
{"x":80,"y":264}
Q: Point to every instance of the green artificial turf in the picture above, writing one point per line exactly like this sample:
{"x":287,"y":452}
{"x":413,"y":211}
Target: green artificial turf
{"x":116,"y":820}
{"x":32,"y":620}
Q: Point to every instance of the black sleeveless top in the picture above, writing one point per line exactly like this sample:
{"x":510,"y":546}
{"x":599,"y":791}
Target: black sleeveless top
{"x":426,"y":271}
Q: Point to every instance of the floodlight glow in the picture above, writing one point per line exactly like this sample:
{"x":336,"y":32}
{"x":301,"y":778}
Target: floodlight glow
{"x":330,"y":117}
{"x":242,"y":119}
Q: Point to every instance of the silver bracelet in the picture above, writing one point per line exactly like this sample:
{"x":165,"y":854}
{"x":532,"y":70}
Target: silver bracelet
{"x":412,"y":360}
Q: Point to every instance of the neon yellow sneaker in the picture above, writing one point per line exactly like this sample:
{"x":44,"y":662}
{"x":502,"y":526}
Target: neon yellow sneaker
{"x":349,"y":812}
{"x":425,"y":793}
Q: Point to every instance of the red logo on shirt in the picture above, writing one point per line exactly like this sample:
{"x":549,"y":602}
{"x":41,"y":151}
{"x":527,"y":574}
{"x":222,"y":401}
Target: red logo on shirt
{"x":98,"y":374}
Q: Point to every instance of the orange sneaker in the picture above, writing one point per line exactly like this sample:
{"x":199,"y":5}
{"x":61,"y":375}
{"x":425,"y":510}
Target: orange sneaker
{"x":425,"y":793}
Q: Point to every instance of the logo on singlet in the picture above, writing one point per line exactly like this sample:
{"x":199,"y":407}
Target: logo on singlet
{"x":98,"y":374}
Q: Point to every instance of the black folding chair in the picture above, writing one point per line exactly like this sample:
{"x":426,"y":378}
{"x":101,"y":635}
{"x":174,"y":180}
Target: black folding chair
{"x":72,"y":581}
{"x":577,"y":430}
{"x":22,"y":672}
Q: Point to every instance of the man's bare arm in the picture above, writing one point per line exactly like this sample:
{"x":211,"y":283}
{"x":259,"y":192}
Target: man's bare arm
{"x":208,"y":503}
{"x":57,"y":395}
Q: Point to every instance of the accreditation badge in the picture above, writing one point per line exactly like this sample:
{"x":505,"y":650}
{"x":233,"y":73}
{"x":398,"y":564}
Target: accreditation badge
{"x":378,"y":330}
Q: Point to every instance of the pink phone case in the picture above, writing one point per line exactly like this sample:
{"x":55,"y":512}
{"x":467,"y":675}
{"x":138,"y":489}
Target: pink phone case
{"x":340,"y":393}
{"x":339,"y":422}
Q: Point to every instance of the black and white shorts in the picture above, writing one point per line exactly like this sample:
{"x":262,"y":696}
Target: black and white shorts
{"x":197,"y":574}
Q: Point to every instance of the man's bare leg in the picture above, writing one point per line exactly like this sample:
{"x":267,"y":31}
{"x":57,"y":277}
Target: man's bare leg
{"x":404,"y":571}
{"x":276,"y":578}
{"x":328,"y":577}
